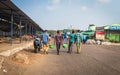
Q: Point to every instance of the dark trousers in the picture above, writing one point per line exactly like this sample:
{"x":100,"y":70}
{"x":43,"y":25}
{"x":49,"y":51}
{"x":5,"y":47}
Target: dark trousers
{"x":70,"y":47}
{"x":58,"y":44}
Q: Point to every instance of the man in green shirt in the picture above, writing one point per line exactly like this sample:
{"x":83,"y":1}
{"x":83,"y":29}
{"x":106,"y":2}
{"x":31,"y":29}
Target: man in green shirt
{"x":78,"y":41}
{"x":71,"y":41}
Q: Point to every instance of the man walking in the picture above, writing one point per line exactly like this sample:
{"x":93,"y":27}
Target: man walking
{"x":58,"y":41}
{"x":64,"y":36}
{"x":71,"y":41}
{"x":45,"y":40}
{"x":78,"y":41}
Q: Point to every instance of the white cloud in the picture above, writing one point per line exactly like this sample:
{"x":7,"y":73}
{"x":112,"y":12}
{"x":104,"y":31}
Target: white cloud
{"x":55,"y":2}
{"x":104,"y":1}
{"x":84,"y":8}
{"x":69,"y":1}
{"x":53,"y":5}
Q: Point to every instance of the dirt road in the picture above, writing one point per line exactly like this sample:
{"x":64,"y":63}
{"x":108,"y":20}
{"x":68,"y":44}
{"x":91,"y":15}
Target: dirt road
{"x":93,"y":60}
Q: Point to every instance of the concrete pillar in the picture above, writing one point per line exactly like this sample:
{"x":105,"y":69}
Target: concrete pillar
{"x":30,"y":29}
{"x":33,"y":31}
{"x":11,"y":26}
{"x":20,"y":29}
{"x":26,"y":26}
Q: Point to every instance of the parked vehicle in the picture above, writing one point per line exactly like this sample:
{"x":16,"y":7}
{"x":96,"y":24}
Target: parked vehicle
{"x":37,"y":45}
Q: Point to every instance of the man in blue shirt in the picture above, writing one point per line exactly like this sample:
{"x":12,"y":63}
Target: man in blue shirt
{"x":45,"y":40}
{"x":64,"y":35}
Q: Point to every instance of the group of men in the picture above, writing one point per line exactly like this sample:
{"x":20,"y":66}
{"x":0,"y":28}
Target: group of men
{"x":60,"y":39}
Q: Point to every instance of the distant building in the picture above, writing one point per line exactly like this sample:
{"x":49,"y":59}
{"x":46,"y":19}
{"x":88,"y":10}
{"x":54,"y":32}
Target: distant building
{"x":92,"y":27}
{"x":100,"y":33}
{"x":112,"y":32}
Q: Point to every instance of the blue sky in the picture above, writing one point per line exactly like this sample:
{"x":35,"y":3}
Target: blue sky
{"x":77,"y":14}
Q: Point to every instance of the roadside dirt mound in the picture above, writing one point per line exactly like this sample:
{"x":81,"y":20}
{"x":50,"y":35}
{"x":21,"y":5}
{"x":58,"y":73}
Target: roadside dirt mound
{"x":11,"y":68}
{"x":19,"y":62}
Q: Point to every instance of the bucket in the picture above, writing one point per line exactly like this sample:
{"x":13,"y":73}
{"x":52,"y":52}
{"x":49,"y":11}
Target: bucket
{"x":65,"y":45}
{"x":51,"y":46}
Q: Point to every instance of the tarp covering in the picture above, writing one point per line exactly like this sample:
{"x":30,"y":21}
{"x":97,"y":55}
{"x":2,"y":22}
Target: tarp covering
{"x":100,"y":32}
{"x":88,"y":32}
{"x":114,"y":37}
{"x":112,"y":27}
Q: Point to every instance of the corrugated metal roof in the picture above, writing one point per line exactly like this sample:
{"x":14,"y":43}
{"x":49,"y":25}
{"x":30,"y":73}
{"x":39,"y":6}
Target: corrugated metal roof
{"x":5,"y":11}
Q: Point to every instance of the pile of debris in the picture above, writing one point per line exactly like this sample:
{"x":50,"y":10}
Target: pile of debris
{"x":21,"y":58}
{"x":90,"y":41}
